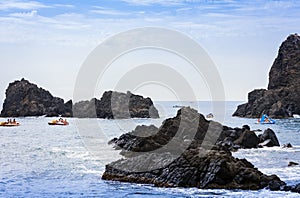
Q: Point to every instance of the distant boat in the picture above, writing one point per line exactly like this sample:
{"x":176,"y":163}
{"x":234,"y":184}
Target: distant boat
{"x":210,"y":116}
{"x":9,"y":124}
{"x":60,"y":122}
{"x":265,"y":119}
{"x":296,"y":116}
{"x":177,"y":106}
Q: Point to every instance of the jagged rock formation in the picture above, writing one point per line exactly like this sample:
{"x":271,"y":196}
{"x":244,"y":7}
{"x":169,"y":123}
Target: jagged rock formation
{"x":116,"y":105}
{"x":188,"y":129}
{"x":26,"y":99}
{"x":213,"y":170}
{"x":188,"y":151}
{"x":283,"y":95}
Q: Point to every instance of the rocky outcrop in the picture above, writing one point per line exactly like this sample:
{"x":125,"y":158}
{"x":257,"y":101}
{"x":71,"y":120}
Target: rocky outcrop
{"x":216,"y":169}
{"x":283,"y":95}
{"x":27,"y":99}
{"x":268,"y":138}
{"x":187,"y":151}
{"x":116,"y":105}
{"x":190,"y":128}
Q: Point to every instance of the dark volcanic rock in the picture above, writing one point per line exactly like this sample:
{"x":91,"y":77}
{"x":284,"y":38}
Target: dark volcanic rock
{"x":188,"y":129}
{"x":269,"y":138}
{"x":293,"y":164}
{"x":26,"y":99}
{"x":248,"y":139}
{"x":116,"y":105}
{"x":182,"y":153}
{"x":192,"y":169}
{"x":283,"y":95}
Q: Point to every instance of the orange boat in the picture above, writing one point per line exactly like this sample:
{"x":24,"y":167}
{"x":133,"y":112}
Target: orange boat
{"x":60,"y":122}
{"x":9,"y":124}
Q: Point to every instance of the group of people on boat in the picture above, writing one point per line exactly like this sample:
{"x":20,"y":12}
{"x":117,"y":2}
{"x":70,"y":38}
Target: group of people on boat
{"x":265,"y":119}
{"x":10,"y":122}
{"x":60,"y":121}
{"x":13,"y":122}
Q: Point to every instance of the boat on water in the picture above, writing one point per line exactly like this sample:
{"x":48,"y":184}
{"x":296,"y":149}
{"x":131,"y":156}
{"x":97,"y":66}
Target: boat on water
{"x":10,"y":123}
{"x":178,"y":106}
{"x":60,"y":122}
{"x":296,"y":116}
{"x":209,"y":116}
{"x":265,"y":119}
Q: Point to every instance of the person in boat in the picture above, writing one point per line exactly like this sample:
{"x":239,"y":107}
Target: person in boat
{"x":14,"y":121}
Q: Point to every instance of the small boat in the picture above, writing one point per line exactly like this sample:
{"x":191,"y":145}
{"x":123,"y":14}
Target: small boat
{"x":60,"y":122}
{"x":265,"y":119}
{"x":9,"y":124}
{"x":296,"y":116}
{"x":210,"y":116}
{"x":177,"y":106}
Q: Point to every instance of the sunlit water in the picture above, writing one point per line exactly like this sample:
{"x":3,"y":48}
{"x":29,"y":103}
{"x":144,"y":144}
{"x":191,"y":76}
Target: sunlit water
{"x":38,"y":160}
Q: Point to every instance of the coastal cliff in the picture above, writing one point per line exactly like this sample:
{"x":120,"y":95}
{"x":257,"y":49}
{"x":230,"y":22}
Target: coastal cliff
{"x":282,"y":97}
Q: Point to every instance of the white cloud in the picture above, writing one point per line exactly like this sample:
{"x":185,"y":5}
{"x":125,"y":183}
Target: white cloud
{"x":150,"y":2}
{"x":106,"y":11}
{"x":63,"y":5}
{"x":22,"y":5}
{"x":24,"y":14}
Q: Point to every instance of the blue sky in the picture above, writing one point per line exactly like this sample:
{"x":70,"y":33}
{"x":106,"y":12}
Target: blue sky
{"x":47,"y":41}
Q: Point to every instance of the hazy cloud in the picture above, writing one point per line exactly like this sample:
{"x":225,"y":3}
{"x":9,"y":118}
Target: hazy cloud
{"x":21,"y":5}
{"x":107,"y":11}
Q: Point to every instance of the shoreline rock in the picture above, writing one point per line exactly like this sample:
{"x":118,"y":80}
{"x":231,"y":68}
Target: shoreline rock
{"x":200,"y":158}
{"x":281,"y":99}
{"x":27,"y":99}
{"x":215,"y":170}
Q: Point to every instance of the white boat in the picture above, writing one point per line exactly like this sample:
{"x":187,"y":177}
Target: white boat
{"x":296,"y":116}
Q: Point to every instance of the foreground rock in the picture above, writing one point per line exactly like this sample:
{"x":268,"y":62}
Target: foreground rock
{"x":116,"y":105}
{"x":283,"y":95}
{"x":188,"y":151}
{"x":27,"y":99}
{"x":213,"y":170}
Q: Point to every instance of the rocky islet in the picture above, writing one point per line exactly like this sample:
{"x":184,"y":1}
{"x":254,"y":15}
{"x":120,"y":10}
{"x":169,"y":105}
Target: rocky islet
{"x":27,"y":99}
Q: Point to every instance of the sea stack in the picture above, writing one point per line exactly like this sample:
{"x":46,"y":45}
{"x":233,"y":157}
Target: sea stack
{"x":282,"y":97}
{"x":116,"y":105}
{"x":27,"y":99}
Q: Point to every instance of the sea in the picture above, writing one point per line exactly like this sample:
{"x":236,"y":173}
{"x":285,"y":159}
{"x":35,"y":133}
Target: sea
{"x":39,"y":160}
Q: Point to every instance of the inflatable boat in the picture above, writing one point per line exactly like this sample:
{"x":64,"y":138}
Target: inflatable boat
{"x":265,"y":119}
{"x":60,"y":122}
{"x":9,"y":124}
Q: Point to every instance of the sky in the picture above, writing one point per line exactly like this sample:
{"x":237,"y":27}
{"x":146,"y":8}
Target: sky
{"x":47,"y":41}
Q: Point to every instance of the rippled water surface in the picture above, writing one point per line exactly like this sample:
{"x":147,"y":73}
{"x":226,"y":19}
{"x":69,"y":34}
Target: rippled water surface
{"x":38,"y":160}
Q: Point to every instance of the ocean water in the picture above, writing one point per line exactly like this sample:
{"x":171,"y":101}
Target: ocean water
{"x":38,"y":160}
